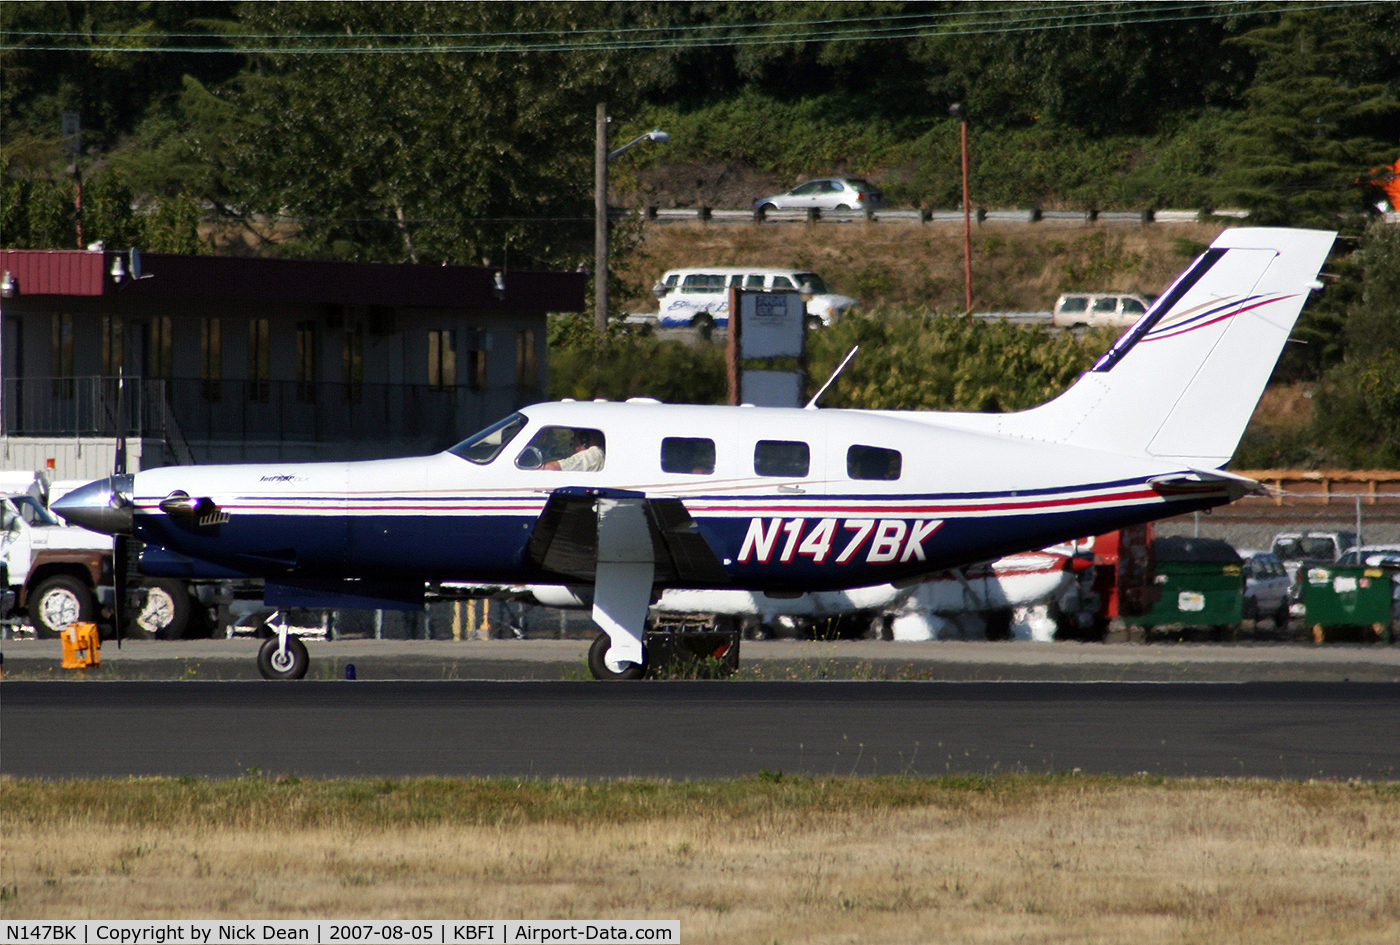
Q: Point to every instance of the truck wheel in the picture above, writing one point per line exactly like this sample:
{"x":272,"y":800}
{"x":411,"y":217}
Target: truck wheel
{"x":598,"y":665}
{"x":165,"y":613}
{"x":59,"y":601}
{"x":290,"y":665}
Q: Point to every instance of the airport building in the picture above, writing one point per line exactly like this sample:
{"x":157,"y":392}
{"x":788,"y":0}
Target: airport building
{"x":216,"y":359}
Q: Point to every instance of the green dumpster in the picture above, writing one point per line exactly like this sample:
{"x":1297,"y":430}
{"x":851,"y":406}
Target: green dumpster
{"x":1340,"y":596}
{"x":1202,"y":584}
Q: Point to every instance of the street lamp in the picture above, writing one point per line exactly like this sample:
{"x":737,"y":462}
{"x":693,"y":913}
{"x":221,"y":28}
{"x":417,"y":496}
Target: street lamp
{"x":959,"y":111}
{"x":601,"y":157}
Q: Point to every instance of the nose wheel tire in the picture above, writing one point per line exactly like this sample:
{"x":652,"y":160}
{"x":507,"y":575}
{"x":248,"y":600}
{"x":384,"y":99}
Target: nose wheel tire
{"x":603,"y":668}
{"x":273,"y":663}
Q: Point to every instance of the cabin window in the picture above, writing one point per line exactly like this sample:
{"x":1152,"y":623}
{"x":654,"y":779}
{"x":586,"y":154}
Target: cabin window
{"x":782,"y":282}
{"x":786,"y":458}
{"x":566,"y":449}
{"x":481,"y":448}
{"x":692,"y":456}
{"x":1106,"y":305}
{"x":701,"y":282}
{"x":753,"y":282}
{"x":873,"y":462}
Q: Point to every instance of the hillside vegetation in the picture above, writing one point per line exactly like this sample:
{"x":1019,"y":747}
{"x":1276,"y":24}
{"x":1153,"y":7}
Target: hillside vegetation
{"x":465,"y":134}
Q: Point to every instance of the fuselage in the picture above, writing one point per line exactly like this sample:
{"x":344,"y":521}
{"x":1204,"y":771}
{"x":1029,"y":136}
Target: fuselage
{"x":785,"y":498}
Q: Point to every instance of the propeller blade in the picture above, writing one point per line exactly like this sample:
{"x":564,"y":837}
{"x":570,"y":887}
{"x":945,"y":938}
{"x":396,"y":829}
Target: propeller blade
{"x":121,"y":568}
{"x":121,"y":550}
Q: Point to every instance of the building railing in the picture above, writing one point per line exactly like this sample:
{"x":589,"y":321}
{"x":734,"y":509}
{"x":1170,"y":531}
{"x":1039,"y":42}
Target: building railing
{"x":191,"y":410}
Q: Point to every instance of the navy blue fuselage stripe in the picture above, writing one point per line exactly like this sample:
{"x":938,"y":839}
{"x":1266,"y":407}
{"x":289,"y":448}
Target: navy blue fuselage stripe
{"x":491,"y":548}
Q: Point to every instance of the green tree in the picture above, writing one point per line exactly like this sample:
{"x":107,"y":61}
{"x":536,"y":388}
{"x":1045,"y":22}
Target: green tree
{"x":1358,"y":405}
{"x":941,"y":362}
{"x":1323,"y":95}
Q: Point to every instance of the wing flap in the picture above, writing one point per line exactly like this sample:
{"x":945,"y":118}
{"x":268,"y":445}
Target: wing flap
{"x":565,"y":538}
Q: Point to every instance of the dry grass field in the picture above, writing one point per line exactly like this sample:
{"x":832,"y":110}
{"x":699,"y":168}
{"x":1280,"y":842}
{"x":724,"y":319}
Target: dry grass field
{"x":760,"y":860}
{"x":1016,"y":267}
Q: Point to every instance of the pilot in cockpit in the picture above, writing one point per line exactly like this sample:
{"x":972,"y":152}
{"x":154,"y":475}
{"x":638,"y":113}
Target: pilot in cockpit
{"x":587,"y":453}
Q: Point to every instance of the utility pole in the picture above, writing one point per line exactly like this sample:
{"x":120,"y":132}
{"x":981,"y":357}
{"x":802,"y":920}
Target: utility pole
{"x":958,"y":110}
{"x":600,"y":223}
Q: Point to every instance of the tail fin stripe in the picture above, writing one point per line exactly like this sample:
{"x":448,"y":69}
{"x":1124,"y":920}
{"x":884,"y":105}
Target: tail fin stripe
{"x":1159,"y":309}
{"x":1181,"y":328}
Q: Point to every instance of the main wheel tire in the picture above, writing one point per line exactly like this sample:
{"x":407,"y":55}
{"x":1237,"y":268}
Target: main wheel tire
{"x":274,"y":664}
{"x":598,"y":663}
{"x":165,"y":613}
{"x":59,"y":601}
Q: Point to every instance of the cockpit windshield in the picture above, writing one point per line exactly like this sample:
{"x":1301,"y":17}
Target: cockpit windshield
{"x":481,"y":448}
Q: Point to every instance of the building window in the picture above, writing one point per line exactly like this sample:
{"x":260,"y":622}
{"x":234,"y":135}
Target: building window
{"x":527,"y":373}
{"x":113,"y":346}
{"x":306,"y":362}
{"x":160,"y":357}
{"x":259,"y":360}
{"x":478,"y":347}
{"x":211,"y":360}
{"x":442,"y":359}
{"x":354,"y":356}
{"x":63,"y":386}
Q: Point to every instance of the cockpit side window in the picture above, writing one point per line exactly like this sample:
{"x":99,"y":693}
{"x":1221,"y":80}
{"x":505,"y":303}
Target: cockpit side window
{"x":692,"y":456}
{"x":873,"y":462}
{"x":565,"y":449}
{"x":481,"y":448}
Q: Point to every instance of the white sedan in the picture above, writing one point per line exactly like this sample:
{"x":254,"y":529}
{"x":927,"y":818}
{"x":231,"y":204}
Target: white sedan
{"x":826,"y":193}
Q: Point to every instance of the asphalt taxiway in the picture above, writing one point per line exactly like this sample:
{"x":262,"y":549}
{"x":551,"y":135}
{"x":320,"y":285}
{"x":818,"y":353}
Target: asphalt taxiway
{"x":527,"y":709}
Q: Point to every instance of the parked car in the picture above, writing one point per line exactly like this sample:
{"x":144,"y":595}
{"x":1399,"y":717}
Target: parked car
{"x":1302,"y":550}
{"x":1266,"y":587}
{"x":826,"y":193}
{"x":1094,"y":309}
{"x":1372,"y":556}
{"x":699,"y":297}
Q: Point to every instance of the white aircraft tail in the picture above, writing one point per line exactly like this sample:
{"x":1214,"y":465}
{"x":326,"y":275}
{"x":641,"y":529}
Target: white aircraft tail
{"x":1183,"y":382}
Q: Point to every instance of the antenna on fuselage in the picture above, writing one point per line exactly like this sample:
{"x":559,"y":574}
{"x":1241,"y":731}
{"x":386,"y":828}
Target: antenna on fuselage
{"x":812,"y":404}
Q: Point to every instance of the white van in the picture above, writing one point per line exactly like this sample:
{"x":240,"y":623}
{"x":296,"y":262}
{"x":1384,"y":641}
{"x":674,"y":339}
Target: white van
{"x":699,"y":297}
{"x":1117,"y":309}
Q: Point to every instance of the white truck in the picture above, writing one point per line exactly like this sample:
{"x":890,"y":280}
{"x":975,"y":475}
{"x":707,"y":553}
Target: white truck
{"x":57,"y":574}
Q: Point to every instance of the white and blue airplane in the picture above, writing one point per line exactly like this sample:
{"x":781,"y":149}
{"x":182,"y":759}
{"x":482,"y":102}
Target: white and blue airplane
{"x":628,"y":499}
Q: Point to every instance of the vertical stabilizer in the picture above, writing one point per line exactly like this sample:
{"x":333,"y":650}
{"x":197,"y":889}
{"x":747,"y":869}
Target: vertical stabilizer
{"x":1183,"y":382}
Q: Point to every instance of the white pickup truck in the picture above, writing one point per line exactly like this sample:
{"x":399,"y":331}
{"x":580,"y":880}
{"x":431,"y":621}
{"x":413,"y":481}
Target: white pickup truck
{"x":58,"y":574}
